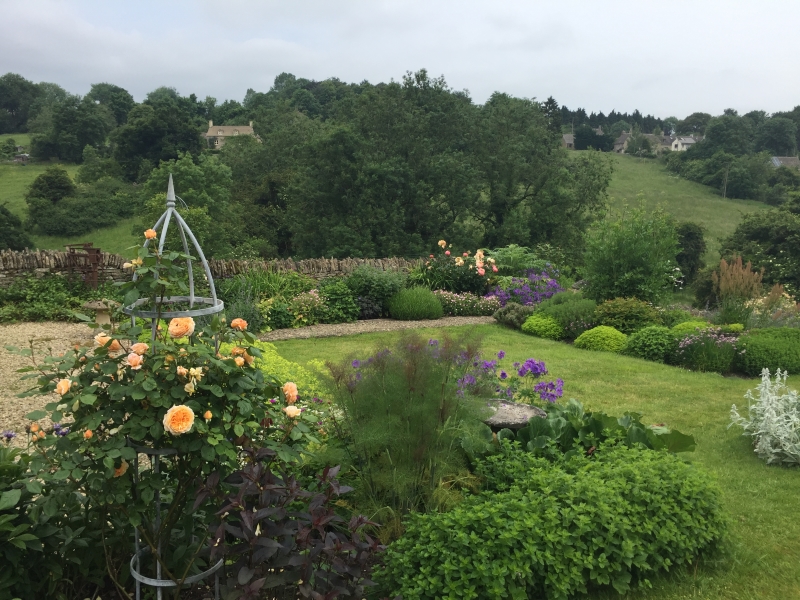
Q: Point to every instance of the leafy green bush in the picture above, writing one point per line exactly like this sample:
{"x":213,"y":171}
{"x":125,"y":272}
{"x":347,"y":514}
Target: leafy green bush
{"x":573,"y":312}
{"x":51,"y":298}
{"x":705,"y":350}
{"x":415,"y":303}
{"x":632,"y":256}
{"x":771,"y":348}
{"x":673,"y":316}
{"x":515,"y":261}
{"x":559,"y":528}
{"x":307,"y":308}
{"x":375,"y":285}
{"x":627,"y":314}
{"x":690,"y":327}
{"x":454,"y":273}
{"x":266,"y":284}
{"x":466,"y":304}
{"x":733,"y":328}
{"x":12,"y":236}
{"x":243,"y":303}
{"x":651,"y":343}
{"x":513,"y":314}
{"x":276,"y":313}
{"x":692,"y":243}
{"x":602,"y":338}
{"x":340,"y":305}
{"x":543,"y":326}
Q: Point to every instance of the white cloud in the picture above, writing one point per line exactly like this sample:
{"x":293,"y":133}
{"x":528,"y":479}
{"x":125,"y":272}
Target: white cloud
{"x":662,"y":57}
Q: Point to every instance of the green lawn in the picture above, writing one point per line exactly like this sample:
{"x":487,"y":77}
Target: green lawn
{"x":15,"y":181}
{"x":687,"y":200}
{"x":761,"y":556}
{"x":22,"y":139}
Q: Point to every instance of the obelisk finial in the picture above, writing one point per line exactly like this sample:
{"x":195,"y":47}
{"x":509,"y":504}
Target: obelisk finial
{"x":170,"y":193}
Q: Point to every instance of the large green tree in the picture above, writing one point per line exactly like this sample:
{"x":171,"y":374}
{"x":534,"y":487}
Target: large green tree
{"x":76,"y":123}
{"x":778,"y":136}
{"x":117,"y":99}
{"x":17,"y":95}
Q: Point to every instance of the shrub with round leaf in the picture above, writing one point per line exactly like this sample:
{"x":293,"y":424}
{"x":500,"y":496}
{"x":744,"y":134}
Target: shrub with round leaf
{"x":627,"y":314}
{"x":651,"y":343}
{"x":690,"y":327}
{"x":543,"y":326}
{"x":771,"y":348}
{"x":602,"y":338}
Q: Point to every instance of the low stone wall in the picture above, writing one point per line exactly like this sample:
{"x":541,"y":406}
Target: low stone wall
{"x":41,"y":262}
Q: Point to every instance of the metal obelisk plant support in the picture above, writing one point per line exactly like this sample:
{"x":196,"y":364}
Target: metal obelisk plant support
{"x":208,"y":306}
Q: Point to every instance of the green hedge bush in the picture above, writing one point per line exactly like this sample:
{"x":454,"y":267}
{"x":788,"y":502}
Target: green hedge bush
{"x":340,"y":304}
{"x":690,"y":327}
{"x":771,"y":348}
{"x":572,"y":311}
{"x":560,"y":529}
{"x":602,"y":338}
{"x":651,"y":343}
{"x":414,"y":304}
{"x":543,"y":326}
{"x":373,"y":287}
{"x":513,"y":314}
{"x":627,"y":314}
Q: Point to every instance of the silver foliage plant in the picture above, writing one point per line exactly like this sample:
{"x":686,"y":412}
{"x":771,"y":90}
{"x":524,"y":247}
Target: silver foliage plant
{"x":773,"y":420}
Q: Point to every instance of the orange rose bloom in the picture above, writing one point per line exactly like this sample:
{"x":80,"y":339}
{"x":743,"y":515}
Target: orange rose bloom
{"x":102,"y":339}
{"x":292,"y":412}
{"x":140,"y":348}
{"x":290,"y":391}
{"x":63,"y":385}
{"x":41,"y":435}
{"x":207,"y":415}
{"x":179,"y":419}
{"x":87,"y":435}
{"x":239,"y":324}
{"x":182,"y":371}
{"x":134,"y":361}
{"x":239,"y":361}
{"x":120,"y":470}
{"x":248,"y":359}
{"x":34,"y":427}
{"x":181,"y":327}
{"x":238,"y":351}
{"x":150,"y":234}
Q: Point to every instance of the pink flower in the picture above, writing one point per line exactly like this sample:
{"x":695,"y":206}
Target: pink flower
{"x":494,"y":269}
{"x":447,"y":253}
{"x":481,"y":272}
{"x":465,"y":254}
{"x":431,"y":256}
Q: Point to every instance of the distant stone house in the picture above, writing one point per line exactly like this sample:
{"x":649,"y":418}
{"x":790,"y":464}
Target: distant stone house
{"x":682,"y":144}
{"x":22,"y":158}
{"x":568,"y":141}
{"x":621,"y":143}
{"x":658,"y":143}
{"x":217,"y":134}
{"x":786,"y":161}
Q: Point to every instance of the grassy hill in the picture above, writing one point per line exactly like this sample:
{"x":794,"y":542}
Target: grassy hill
{"x":15,"y":181}
{"x":687,"y":200}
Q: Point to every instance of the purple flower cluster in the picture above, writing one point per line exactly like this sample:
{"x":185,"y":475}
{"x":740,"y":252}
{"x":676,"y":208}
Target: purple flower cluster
{"x":532,"y":289}
{"x":59,"y":430}
{"x":532,"y":367}
{"x":713,"y":335}
{"x":549,"y":391}
{"x":8,"y":435}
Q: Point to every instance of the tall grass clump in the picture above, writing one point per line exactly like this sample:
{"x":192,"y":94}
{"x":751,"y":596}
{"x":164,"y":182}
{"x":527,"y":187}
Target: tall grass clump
{"x":414,"y":304}
{"x":736,"y":285}
{"x":400,"y":421}
{"x":265,"y":284}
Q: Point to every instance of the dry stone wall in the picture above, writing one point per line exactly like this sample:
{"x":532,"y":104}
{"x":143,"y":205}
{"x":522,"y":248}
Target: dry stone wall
{"x":41,"y":262}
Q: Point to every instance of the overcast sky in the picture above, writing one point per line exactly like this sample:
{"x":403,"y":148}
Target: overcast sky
{"x":662,"y":57}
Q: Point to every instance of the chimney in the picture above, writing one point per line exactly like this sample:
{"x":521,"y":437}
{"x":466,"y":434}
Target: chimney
{"x":210,"y":124}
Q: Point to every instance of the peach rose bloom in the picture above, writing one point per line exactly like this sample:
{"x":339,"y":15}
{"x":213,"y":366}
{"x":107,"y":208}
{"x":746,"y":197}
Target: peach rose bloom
{"x":239,"y":324}
{"x":140,"y":348}
{"x":182,"y":371}
{"x":442,"y":243}
{"x":41,"y":435}
{"x":103,"y":338}
{"x":34,"y":427}
{"x":239,"y":361}
{"x":181,"y":327}
{"x":189,"y":388}
{"x":150,"y":234}
{"x":292,"y":412}
{"x":290,"y":391}
{"x":248,"y":359}
{"x":87,"y":435}
{"x":63,"y":385}
{"x":207,"y":415}
{"x":179,"y":419}
{"x":134,"y":361}
{"x":238,"y":351}
{"x":121,"y":469}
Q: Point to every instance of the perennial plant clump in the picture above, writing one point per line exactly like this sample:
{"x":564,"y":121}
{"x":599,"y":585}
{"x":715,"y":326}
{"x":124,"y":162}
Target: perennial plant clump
{"x":466,"y":304}
{"x":530,"y":290}
{"x":454,"y":272}
{"x":773,"y":420}
{"x":706,"y":350}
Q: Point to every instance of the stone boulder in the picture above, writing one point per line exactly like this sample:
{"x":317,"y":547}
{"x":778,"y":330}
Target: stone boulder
{"x":512,"y":415}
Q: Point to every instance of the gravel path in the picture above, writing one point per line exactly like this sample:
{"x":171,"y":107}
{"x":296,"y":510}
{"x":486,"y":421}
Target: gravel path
{"x":47,"y":337}
{"x":369,"y":326}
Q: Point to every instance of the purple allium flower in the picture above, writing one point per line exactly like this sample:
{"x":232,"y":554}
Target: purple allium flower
{"x":356,"y":363}
{"x":501,"y":355}
{"x":503,"y":375}
{"x":8,"y":435}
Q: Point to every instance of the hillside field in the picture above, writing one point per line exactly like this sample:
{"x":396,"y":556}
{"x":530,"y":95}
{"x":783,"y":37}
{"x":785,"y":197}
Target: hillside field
{"x":686,"y":200}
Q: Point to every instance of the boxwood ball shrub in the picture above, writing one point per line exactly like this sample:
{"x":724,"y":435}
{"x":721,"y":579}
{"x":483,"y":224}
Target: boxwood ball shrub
{"x":572,"y":311}
{"x":543,"y":326}
{"x":772,"y":348}
{"x":513,"y":314}
{"x":627,"y":314}
{"x":651,"y":343}
{"x":560,"y":529}
{"x":602,"y":338}
{"x":415,"y":303}
{"x":690,"y":327}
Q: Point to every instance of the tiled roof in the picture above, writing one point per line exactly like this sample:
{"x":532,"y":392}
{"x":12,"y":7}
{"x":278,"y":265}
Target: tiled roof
{"x":786,"y":161}
{"x":229,"y":130}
